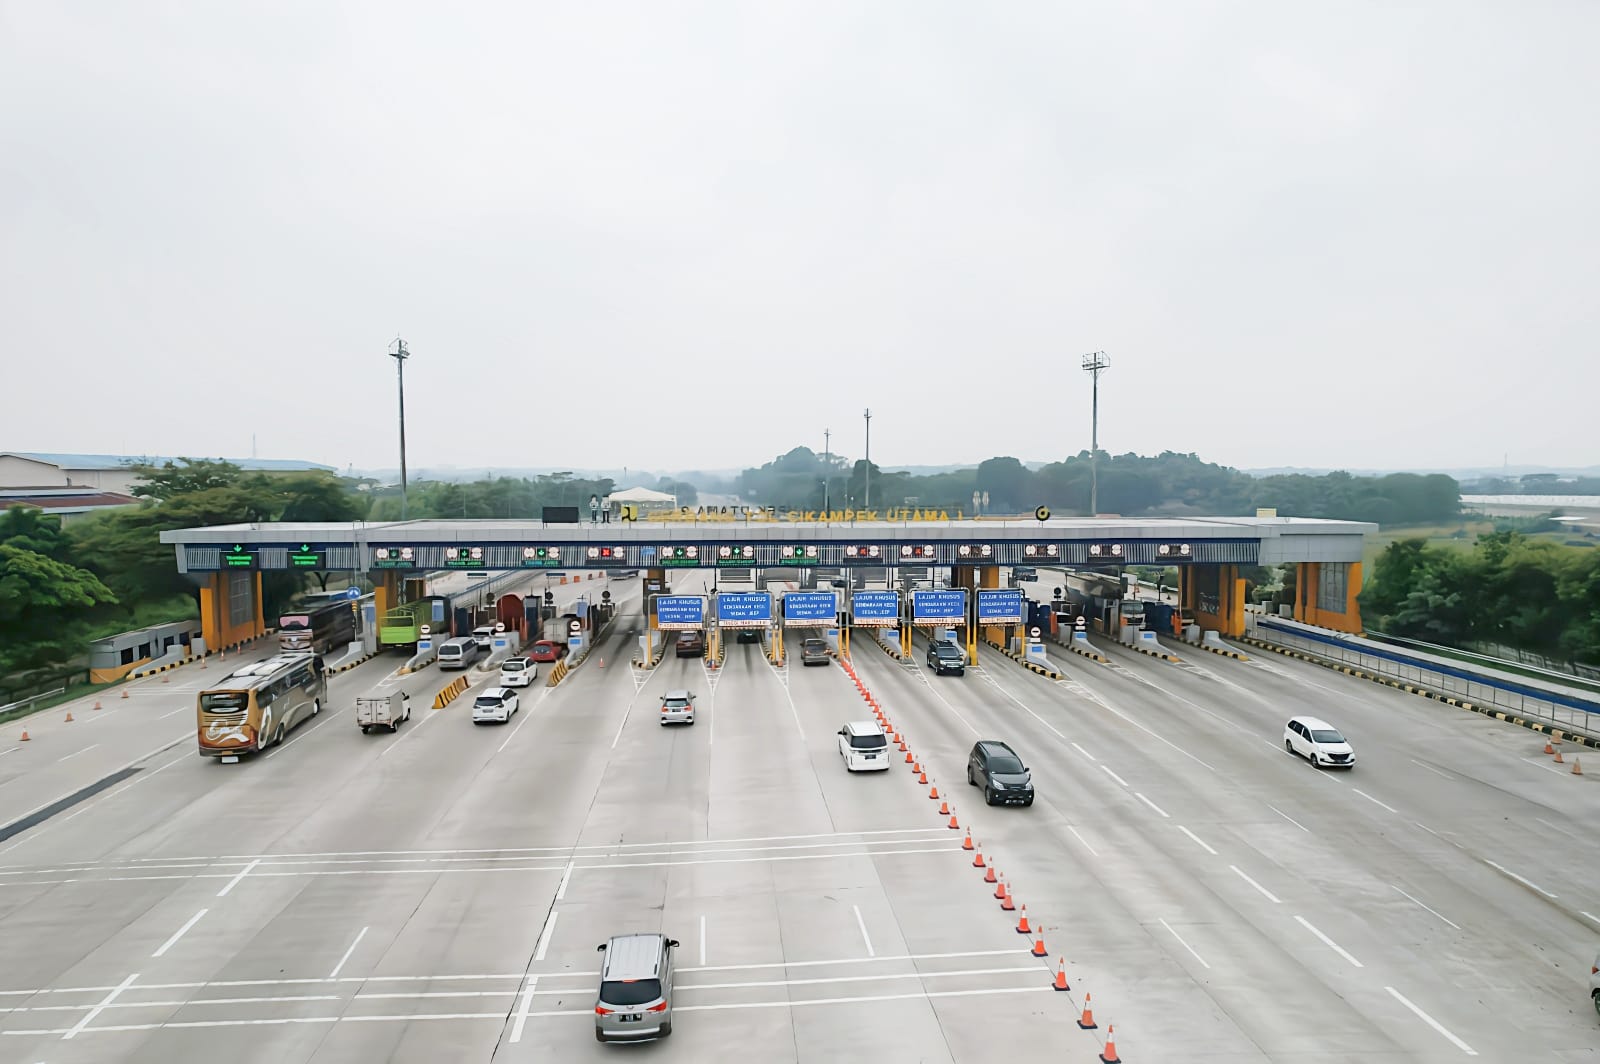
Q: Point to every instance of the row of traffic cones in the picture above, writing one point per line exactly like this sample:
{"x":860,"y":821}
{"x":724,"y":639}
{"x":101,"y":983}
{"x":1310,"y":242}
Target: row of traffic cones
{"x":1002,"y":891}
{"x":1555,"y":748}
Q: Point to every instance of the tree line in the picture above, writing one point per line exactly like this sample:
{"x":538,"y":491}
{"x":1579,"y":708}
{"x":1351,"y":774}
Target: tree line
{"x":1508,"y":589}
{"x":1133,"y":485}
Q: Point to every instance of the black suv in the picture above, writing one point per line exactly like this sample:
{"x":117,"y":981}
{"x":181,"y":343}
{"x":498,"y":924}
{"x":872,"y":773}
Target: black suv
{"x":944,"y":656}
{"x":996,"y":768}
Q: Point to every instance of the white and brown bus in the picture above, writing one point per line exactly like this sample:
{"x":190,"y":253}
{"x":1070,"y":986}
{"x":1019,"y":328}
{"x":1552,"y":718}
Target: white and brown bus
{"x":255,"y":706}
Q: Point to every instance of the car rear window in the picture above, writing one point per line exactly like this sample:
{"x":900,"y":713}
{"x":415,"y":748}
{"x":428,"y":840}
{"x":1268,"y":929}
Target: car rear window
{"x":487,"y":702}
{"x":514,"y":665}
{"x":675,"y":703}
{"x":868,"y":742}
{"x":630,"y":992}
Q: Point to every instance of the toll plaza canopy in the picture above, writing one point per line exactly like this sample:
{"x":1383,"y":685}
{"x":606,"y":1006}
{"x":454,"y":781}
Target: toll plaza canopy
{"x":227,"y":560}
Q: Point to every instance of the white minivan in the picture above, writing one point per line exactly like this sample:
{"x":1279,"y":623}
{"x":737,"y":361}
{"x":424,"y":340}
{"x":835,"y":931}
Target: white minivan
{"x":1318,"y":742}
{"x":864,"y":747}
{"x":518,"y":672}
{"x":457,"y":653}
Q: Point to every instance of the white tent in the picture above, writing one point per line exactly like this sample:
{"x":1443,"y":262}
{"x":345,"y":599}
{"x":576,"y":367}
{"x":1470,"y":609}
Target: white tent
{"x":641,"y":495}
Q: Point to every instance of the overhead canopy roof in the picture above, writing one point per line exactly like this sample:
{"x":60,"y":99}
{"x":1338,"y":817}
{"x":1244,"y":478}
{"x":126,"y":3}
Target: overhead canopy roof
{"x":641,"y":495}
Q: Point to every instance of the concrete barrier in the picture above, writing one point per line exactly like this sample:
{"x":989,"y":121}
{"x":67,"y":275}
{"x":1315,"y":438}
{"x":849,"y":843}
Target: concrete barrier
{"x":417,"y":662}
{"x":1032,"y":666}
{"x":450,"y":692}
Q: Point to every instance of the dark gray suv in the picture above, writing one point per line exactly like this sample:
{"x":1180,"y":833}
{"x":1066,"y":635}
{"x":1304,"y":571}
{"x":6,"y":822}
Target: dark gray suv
{"x":996,"y":768}
{"x":944,"y":656}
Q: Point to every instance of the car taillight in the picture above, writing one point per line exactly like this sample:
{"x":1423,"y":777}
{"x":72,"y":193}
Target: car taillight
{"x":657,"y":1008}
{"x":601,"y":1010}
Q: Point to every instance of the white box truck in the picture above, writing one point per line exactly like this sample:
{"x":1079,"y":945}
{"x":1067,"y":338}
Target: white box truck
{"x":383,"y":711}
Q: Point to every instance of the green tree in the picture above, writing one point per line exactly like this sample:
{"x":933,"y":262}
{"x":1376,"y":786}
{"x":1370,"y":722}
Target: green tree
{"x":186,"y":476}
{"x":43,"y":606}
{"x":318,"y":496}
{"x":1009,"y":484}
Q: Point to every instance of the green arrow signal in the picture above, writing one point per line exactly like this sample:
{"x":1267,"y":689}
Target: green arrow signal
{"x":305,"y":546}
{"x":237,"y":547}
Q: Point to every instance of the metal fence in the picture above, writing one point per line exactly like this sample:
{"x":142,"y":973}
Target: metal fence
{"x":1538,"y":661}
{"x":1568,"y":710}
{"x":30,"y":686}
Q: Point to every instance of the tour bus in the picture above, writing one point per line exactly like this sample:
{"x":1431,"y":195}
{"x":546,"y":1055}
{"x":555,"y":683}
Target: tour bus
{"x":256,"y":705}
{"x":319,"y":629}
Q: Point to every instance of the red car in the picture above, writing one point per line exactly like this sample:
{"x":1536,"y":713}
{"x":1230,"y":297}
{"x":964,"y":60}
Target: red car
{"x":547,"y":650}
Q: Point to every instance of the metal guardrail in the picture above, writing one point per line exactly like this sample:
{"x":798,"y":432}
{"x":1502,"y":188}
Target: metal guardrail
{"x":1562,"y":709}
{"x":30,"y":700}
{"x":1582,"y":676}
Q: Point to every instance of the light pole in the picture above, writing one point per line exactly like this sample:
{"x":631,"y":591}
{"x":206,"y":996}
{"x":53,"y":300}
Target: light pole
{"x":1094,"y":365}
{"x":827,"y":468}
{"x":866,"y":493}
{"x":400,"y":354}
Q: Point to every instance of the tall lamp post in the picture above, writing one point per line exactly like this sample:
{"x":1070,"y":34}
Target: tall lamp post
{"x":866,"y":492}
{"x":1094,"y":365}
{"x":827,"y":468}
{"x":400,"y":354}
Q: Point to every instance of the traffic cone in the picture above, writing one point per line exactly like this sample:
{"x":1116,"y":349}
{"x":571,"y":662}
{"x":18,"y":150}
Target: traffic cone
{"x":1008,"y":903}
{"x":1110,"y":1055}
{"x":933,"y":793}
{"x":97,"y":703}
{"x":1038,"y":945}
{"x":1086,"y":1021}
{"x":165,"y":678}
{"x":954,"y":825}
{"x":1577,"y":770}
{"x":991,"y":878}
{"x":602,"y":663}
{"x":1559,"y":759}
{"x":1548,"y":748}
{"x":922,"y":775}
{"x":124,"y":692}
{"x":967,"y":845}
{"x":1022,"y":924}
{"x":1061,"y":975}
{"x":944,"y":808}
{"x":69,"y":716}
{"x":24,"y":736}
{"x":901,"y":739}
{"x":909,"y":758}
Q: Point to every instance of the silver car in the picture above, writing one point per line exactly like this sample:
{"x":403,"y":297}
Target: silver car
{"x":635,"y":1001}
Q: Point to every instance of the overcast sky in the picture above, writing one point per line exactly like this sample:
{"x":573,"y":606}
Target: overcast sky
{"x":1319,"y":235}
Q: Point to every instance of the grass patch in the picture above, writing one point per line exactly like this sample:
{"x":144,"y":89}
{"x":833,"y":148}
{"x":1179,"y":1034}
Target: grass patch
{"x":52,"y":701}
{"x":1458,"y":535}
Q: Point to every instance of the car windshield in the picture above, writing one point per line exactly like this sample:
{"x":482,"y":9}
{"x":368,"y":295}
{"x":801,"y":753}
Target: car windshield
{"x":1003,"y":763}
{"x":630,"y":992}
{"x":949,"y":652}
{"x":1327,"y":735}
{"x":868,"y":742}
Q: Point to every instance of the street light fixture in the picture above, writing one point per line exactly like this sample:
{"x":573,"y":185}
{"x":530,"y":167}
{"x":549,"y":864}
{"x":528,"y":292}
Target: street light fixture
{"x":866,"y":493}
{"x":400,"y":354}
{"x":1095,"y":364}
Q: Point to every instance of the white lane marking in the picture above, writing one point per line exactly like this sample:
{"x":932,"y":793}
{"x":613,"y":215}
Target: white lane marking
{"x":408,"y":730}
{"x":992,"y":682}
{"x":1270,"y":896}
{"x":500,"y":1016}
{"x":1519,"y":879}
{"x":1373,"y":800}
{"x":1098,"y":700}
{"x":1151,"y":804}
{"x":947,"y":704}
{"x":9,"y":750}
{"x":1085,"y":753}
{"x":532,"y":849}
{"x":750,"y":860}
{"x":1434,"y":833}
{"x":794,"y":711}
{"x":544,"y":935}
{"x":1430,"y":768}
{"x":92,"y":1013}
{"x":1198,"y":839}
{"x":75,"y":753}
{"x":45,"y":805}
{"x":864,"y":936}
{"x":522,"y":1010}
{"x":1557,"y":827}
{"x":1540,"y":762}
{"x":1031,"y":969}
{"x":337,"y":968}
{"x":851,"y":960}
{"x":561,"y":889}
{"x":1083,"y":840}
{"x":1441,"y":916}
{"x":1431,"y":1022}
{"x":175,"y":712}
{"x":246,"y":870}
{"x":1289,"y":818}
{"x":1591,"y":916}
{"x":185,"y":1003}
{"x":1330,"y":943}
{"x":169,"y":943}
{"x":1185,"y":945}
{"x":1114,"y":776}
{"x":623,"y":723}
{"x":702,"y":941}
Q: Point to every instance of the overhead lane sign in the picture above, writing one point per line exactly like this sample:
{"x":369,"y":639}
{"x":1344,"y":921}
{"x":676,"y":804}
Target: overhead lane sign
{"x":1000,"y":606}
{"x":810,"y":609}
{"x":744,"y":609}
{"x":680,"y":612}
{"x":947,"y":606}
{"x":875,"y":609}
{"x":307,"y":558}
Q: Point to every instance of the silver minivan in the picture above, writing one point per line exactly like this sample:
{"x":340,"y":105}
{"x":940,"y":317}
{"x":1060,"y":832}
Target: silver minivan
{"x":457,"y":653}
{"x":635,"y":1001}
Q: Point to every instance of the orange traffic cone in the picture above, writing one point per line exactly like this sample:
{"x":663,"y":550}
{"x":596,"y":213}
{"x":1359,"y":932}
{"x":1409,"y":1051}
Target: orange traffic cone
{"x":69,"y":716}
{"x":954,"y":824}
{"x":24,"y":736}
{"x":909,"y":758}
{"x":1061,"y":975}
{"x":165,"y":678}
{"x":602,"y":663}
{"x":934,"y":793}
{"x":124,"y":692}
{"x":1110,"y":1055}
{"x":967,"y":845}
{"x":901,"y":739}
{"x":1086,"y":1021}
{"x":1559,"y":759}
{"x":990,"y":877}
{"x":97,"y":703}
{"x":1022,"y":924}
{"x":1577,"y":770}
{"x":1008,"y":903}
{"x":1038,"y":945}
{"x":977,"y":859}
{"x":944,"y":808}
{"x":1548,"y":748}
{"x":922,"y":775}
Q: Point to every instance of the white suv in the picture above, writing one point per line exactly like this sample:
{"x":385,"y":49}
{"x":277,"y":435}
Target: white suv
{"x":494,"y":704}
{"x":1318,"y":742}
{"x":518,"y":672}
{"x":864,"y":747}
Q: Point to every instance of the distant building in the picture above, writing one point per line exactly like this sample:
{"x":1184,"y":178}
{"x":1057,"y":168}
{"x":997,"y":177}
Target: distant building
{"x":68,"y":503}
{"x":109,"y":472}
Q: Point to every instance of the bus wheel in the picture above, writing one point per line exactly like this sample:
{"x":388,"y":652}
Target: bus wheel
{"x":278,"y":740}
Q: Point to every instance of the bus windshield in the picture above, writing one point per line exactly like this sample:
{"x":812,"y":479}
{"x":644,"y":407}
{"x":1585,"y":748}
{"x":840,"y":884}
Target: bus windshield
{"x":298,"y":620}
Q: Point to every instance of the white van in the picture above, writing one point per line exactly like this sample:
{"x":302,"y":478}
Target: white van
{"x":864,"y":747}
{"x":458,"y":653}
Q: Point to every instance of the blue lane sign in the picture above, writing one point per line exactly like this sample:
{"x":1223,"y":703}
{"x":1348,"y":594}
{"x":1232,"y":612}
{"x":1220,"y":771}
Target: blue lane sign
{"x":811,"y":608}
{"x":352,"y":593}
{"x":1000,"y":605}
{"x":939,"y":606}
{"x":744,"y":609}
{"x":680,"y":612}
{"x":876,"y":609}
